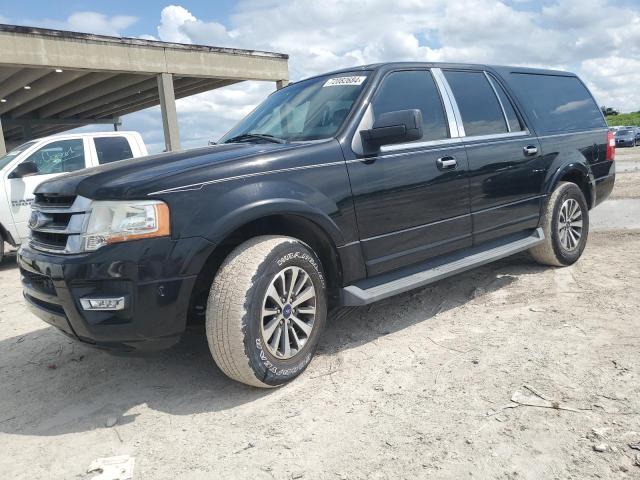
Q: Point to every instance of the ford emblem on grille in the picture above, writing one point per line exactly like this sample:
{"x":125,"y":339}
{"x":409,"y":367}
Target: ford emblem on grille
{"x":37,"y":220}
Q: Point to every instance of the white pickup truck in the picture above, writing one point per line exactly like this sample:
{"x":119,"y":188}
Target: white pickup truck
{"x":26,"y":166}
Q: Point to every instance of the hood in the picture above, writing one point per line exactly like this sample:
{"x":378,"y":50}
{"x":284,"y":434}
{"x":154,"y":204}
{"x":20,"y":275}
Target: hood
{"x":137,"y":177}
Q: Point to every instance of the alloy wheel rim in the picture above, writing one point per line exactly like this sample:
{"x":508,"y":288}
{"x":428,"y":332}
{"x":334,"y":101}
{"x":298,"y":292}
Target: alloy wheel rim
{"x":288,"y":312}
{"x":570,"y":224}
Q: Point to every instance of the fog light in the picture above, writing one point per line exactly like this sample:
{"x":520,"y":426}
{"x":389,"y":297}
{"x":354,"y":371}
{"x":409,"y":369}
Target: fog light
{"x":103,"y":303}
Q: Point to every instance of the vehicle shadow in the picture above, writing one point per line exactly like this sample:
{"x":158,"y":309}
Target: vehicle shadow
{"x":8,"y":260}
{"x":52,"y":385}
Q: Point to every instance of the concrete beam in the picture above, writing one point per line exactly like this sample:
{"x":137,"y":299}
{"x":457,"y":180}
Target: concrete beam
{"x":74,"y":88}
{"x":94,"y":96}
{"x":26,"y":46}
{"x":130,"y":96}
{"x":20,"y":79}
{"x":6,"y":72}
{"x":38,"y":88}
{"x":168,"y":110}
{"x":137,"y":106}
{"x":3,"y":146}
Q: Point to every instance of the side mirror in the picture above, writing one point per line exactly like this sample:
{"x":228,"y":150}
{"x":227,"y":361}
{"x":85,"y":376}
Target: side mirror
{"x":394,"y":127}
{"x":24,"y":169}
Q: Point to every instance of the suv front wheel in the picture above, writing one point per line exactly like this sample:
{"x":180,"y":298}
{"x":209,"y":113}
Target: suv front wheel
{"x":266,"y":310}
{"x":565,"y":222}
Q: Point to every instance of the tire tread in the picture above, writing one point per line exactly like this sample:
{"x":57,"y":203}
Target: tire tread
{"x":232,"y":285}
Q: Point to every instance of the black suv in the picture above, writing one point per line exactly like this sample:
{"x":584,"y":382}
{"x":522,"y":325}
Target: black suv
{"x":342,"y":189}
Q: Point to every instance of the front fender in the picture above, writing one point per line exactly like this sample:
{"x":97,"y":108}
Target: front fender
{"x":221,"y":212}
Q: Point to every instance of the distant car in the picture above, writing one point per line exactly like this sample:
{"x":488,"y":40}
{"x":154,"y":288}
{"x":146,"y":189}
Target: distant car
{"x":626,"y":137}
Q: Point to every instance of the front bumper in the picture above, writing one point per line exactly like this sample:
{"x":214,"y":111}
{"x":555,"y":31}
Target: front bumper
{"x":155,"y":275}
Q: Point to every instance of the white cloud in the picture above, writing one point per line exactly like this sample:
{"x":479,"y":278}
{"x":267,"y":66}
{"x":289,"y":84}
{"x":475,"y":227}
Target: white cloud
{"x":92,"y":22}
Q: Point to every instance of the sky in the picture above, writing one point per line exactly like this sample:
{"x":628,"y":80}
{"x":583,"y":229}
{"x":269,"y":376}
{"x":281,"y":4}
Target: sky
{"x":597,"y":39}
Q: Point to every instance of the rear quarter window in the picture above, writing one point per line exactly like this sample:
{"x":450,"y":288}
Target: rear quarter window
{"x":557,"y":103}
{"x":112,"y":149}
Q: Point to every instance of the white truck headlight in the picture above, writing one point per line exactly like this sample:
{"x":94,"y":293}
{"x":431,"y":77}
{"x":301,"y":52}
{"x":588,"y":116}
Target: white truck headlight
{"x":115,"y":221}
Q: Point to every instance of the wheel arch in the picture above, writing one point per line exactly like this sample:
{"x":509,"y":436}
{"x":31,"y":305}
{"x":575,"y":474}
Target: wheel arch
{"x":577,"y":173}
{"x":321,"y":235}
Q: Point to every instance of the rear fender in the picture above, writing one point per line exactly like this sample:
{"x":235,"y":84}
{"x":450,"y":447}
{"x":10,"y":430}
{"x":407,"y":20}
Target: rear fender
{"x":580,"y":170}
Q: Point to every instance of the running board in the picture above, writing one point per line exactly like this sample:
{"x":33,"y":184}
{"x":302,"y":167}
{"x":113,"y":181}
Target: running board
{"x":390,"y":284}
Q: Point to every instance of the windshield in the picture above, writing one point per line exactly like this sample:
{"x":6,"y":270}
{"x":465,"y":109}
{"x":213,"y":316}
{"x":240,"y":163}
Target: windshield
{"x":308,"y":110}
{"x":623,"y":133}
{"x":7,"y":158}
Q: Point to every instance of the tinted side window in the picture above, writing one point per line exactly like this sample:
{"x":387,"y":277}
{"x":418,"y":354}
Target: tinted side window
{"x":557,"y":103}
{"x":112,"y":149}
{"x":478,"y":105}
{"x":413,"y":90}
{"x":509,"y":111}
{"x":59,"y":157}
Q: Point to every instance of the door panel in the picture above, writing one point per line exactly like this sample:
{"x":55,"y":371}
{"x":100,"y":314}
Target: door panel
{"x":411,"y":200}
{"x":408,"y":210}
{"x":506,"y":168}
{"x":504,"y":186}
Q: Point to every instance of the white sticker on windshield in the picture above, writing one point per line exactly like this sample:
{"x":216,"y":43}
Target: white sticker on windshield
{"x":340,"y":81}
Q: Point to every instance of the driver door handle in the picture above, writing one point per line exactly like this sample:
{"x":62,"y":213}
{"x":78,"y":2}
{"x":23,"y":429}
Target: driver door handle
{"x":447,"y":163}
{"x":530,"y":150}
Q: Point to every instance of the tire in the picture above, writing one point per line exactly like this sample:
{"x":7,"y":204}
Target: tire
{"x":562,"y":249}
{"x":243,"y":291}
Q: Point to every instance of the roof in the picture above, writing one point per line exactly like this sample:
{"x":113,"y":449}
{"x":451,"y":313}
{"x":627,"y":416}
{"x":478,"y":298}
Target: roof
{"x":395,"y":65}
{"x":54,"y":80}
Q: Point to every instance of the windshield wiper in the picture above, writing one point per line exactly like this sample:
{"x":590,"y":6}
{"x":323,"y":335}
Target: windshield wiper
{"x":259,"y":136}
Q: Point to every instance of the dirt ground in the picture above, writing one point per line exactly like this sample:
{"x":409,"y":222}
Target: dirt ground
{"x":417,"y":386}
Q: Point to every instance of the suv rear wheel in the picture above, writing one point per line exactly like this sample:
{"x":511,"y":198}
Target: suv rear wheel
{"x":266,"y":310}
{"x":565,"y":222}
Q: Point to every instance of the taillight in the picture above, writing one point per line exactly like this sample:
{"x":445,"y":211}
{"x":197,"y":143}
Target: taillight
{"x":611,"y":146}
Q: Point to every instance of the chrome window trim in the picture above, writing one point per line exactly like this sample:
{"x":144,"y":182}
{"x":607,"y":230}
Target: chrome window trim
{"x":429,"y":143}
{"x":495,"y":92}
{"x":452,"y":100}
{"x":495,"y":136}
{"x":454,"y":131}
{"x":583,"y":132}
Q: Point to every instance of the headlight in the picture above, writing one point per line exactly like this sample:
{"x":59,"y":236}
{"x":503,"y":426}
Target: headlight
{"x":113,"y":222}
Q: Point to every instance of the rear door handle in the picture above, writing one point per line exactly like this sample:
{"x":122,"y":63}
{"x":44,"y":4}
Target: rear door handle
{"x":447,"y":163}
{"x":530,"y":150}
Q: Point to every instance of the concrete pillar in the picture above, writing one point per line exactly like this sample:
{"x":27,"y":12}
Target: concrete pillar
{"x":281,"y":84}
{"x":169,"y":115}
{"x":3,"y":147}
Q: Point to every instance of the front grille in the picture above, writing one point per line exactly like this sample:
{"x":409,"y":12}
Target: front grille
{"x":56,"y":222}
{"x":45,"y":200}
{"x":38,"y":281}
{"x":53,"y":241}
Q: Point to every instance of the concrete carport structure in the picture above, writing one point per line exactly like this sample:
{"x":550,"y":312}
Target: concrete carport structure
{"x":52,"y":80}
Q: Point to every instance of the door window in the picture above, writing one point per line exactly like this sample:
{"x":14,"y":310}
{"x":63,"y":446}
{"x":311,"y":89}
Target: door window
{"x":59,"y":157}
{"x":112,"y":149}
{"x":478,"y":105}
{"x":413,"y":89}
